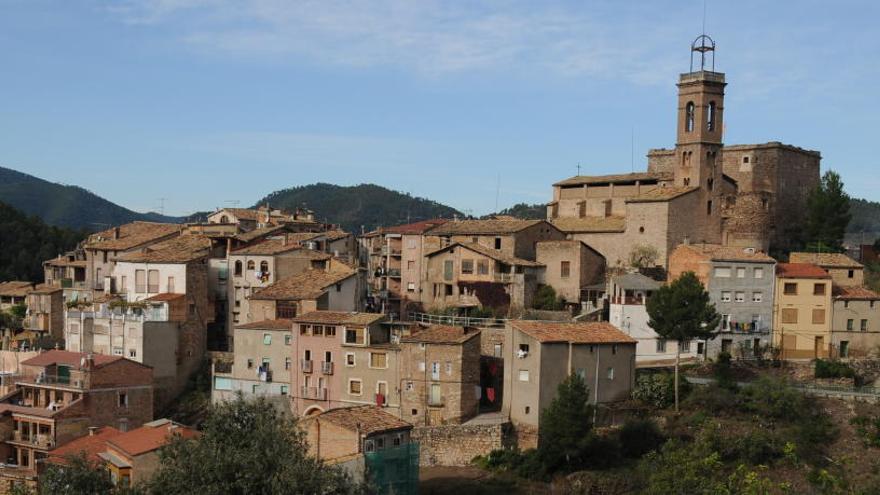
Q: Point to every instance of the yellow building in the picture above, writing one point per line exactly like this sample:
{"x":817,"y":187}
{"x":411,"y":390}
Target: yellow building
{"x":802,"y":311}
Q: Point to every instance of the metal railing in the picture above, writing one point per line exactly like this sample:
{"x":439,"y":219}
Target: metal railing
{"x":305,"y":365}
{"x":457,"y":321}
{"x":41,"y":441}
{"x":327,"y":367}
{"x":503,"y":277}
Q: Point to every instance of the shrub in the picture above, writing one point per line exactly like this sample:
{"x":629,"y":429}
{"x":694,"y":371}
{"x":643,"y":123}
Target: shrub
{"x":545,"y":298}
{"x":868,"y":429}
{"x":713,"y":399}
{"x":658,"y":389}
{"x":723,"y":371}
{"x":638,"y":437}
{"x":833,"y":369}
{"x":773,"y":398}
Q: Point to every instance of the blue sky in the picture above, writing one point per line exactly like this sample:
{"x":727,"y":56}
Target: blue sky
{"x":203,"y":102}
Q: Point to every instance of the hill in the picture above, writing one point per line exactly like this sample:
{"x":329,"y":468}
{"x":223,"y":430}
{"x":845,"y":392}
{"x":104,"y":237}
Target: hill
{"x":525,"y":211}
{"x":865,"y":216}
{"x":25,"y":242}
{"x":66,"y":206}
{"x":365,"y":205}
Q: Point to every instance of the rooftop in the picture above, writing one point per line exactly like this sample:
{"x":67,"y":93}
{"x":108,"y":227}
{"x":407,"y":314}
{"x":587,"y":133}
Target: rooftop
{"x":481,"y":227}
{"x":240,"y":213}
{"x":339,"y":318}
{"x":854,"y":294}
{"x":267,"y":247}
{"x":131,"y":235}
{"x":165,"y":297}
{"x":575,"y":333}
{"x":90,"y":446}
{"x":279,"y":324}
{"x":178,"y":250}
{"x":310,"y":284}
{"x":45,"y":289}
{"x":643,"y":177}
{"x":364,"y":419}
{"x":16,"y":288}
{"x":800,"y":270}
{"x":717,"y":252}
{"x":413,"y":228}
{"x":590,"y":224}
{"x":150,"y":437}
{"x":68,"y":358}
{"x":62,"y":260}
{"x":661,"y":194}
{"x":488,"y":252}
{"x":636,"y":281}
{"x":442,"y":334}
{"x":825,"y":260}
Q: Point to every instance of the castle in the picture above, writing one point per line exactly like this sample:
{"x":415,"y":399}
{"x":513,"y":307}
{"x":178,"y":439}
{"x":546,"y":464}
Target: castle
{"x":701,"y":191}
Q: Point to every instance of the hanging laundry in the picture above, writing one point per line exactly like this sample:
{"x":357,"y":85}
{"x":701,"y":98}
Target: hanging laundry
{"x":478,"y":392}
{"x":490,"y":394}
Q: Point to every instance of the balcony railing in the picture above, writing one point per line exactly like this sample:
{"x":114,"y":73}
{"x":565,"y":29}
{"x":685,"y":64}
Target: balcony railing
{"x":746,"y":328}
{"x":153,"y":313}
{"x":327,"y":367}
{"x":457,"y":321}
{"x":313,"y":393}
{"x":305,"y":365}
{"x":40,"y":441}
{"x":51,"y":380}
{"x":394,"y":272}
{"x":504,"y":278}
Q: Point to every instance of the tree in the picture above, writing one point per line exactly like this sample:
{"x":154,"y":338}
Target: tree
{"x":545,"y":298}
{"x":681,"y":311}
{"x":246,"y":447}
{"x":77,"y":475}
{"x":566,"y":426}
{"x":828,"y":214}
{"x":643,"y":256}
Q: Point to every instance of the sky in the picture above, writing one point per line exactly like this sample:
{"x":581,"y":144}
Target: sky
{"x":210,"y":103}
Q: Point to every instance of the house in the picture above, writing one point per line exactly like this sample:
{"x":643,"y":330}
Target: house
{"x":440,"y":372}
{"x":741,"y":285}
{"x":45,"y":311}
{"x":14,"y":293}
{"x":844,"y":271}
{"x":515,"y":238}
{"x":248,"y":219}
{"x":334,"y":365}
{"x":570,"y":267}
{"x":855,"y":323}
{"x":262,"y":362}
{"x":627,"y":311}
{"x":538,"y":356}
{"x":336,"y":289}
{"x":802,"y":311}
{"x":59,"y":396}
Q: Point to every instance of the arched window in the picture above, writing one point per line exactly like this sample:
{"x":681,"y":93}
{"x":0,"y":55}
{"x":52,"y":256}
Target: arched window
{"x":224,"y":219}
{"x":264,"y":266}
{"x":689,"y":117}
{"x":238,"y":268}
{"x":250,"y":265}
{"x":710,"y":117}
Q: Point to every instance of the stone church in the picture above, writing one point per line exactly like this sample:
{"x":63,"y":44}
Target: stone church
{"x":701,"y":191}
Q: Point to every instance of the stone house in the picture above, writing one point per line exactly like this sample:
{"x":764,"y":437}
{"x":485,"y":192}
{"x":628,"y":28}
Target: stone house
{"x":570,"y":267}
{"x":262,"y":362}
{"x":802,"y":311}
{"x":337,"y":289}
{"x":68,"y":271}
{"x":855,"y":323}
{"x":538,"y":356}
{"x":13,"y":293}
{"x":45,"y":311}
{"x":628,"y":295}
{"x":322,"y":343}
{"x":844,"y":271}
{"x":440,"y":372}
{"x":62,"y":394}
{"x":741,"y":285}
{"x":515,"y":238}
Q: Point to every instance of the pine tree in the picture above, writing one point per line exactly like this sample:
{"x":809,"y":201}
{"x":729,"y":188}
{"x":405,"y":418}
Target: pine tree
{"x":828,"y":214}
{"x":566,"y":426}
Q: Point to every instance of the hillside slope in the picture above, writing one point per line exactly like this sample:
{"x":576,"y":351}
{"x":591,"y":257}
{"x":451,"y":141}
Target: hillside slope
{"x":63,"y":205}
{"x":25,"y":242}
{"x":365,"y":205}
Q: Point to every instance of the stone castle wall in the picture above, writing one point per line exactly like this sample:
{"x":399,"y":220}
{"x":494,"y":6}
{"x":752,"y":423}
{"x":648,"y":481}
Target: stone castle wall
{"x":457,"y":445}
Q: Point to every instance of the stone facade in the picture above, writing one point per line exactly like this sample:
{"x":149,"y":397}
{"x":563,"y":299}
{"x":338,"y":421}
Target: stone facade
{"x":855,"y":325}
{"x":457,"y":445}
{"x":569,"y":267}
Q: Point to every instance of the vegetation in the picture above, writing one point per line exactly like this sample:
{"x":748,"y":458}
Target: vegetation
{"x":681,"y":311}
{"x":865,"y":216}
{"x":831,"y":368}
{"x":13,"y":318}
{"x":364,"y":206}
{"x":643,"y":256}
{"x":526,"y":211}
{"x":827,"y":214}
{"x":566,"y":426}
{"x":546,"y":299}
{"x":78,"y":476}
{"x":25,"y":242}
{"x":657,"y":389}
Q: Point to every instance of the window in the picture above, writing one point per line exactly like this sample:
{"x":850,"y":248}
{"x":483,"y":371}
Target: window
{"x":844,"y":348}
{"x":790,"y":289}
{"x":685,"y":346}
{"x":380,"y":443}
{"x":661,"y":345}
{"x":722,"y":271}
{"x":689,"y":117}
{"x":497,"y":243}
{"x":237,"y":270}
{"x":610,"y":373}
{"x":435,"y":399}
{"x":725,"y":296}
{"x":497,"y":350}
{"x":328,"y":357}
{"x":411,"y":287}
{"x":757,"y":296}
{"x":448,"y":289}
{"x":435,"y":371}
{"x":725,"y":323}
{"x":710,"y":117}
{"x":411,"y":243}
{"x":153,"y":281}
{"x":726,"y":344}
{"x":354,"y":387}
{"x":140,"y":281}
{"x":329,"y":331}
{"x":740,"y":272}
{"x":251,"y":266}
{"x":349,"y":359}
{"x":122,"y":399}
{"x":409,"y":386}
{"x":369,"y":445}
{"x":482,"y":267}
{"x":447,"y":270}
{"x":613,"y":348}
{"x":264,"y":267}
{"x":527,"y":409}
{"x":123,"y":286}
{"x":132,"y":353}
{"x":864,"y":325}
{"x":745,"y":159}
{"x":250,"y":363}
{"x":355,"y":336}
{"x":305,"y":329}
{"x":818,"y":316}
{"x":267,"y":339}
{"x":318,"y":330}
{"x":170,"y":285}
{"x":410,"y":265}
{"x":759,"y":273}
{"x":307,"y":355}
{"x":523,"y":349}
{"x":818,"y":289}
{"x":287,"y":339}
{"x":284,"y":390}
{"x":467,"y":266}
{"x":222,"y":383}
{"x":789,"y":315}
{"x":740,"y":297}
{"x":851,"y":274}
{"x":378,"y":360}
{"x":523,"y":375}
{"x":850,"y":324}
{"x":397,"y":440}
{"x":565,"y":269}
{"x":287,"y":363}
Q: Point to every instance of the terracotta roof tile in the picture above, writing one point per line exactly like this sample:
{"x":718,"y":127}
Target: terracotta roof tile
{"x":575,"y":333}
{"x":590,"y":224}
{"x":442,"y":334}
{"x":279,"y":324}
{"x":310,"y":284}
{"x":65,"y":261}
{"x":339,"y":318}
{"x":181,"y":249}
{"x":495,"y":254}
{"x":335,"y":235}
{"x":165,"y":297}
{"x":800,"y":270}
{"x":613,"y":179}
{"x":365,"y":419}
{"x":90,"y":446}
{"x":46,"y":289}
{"x":482,"y":227}
{"x":16,"y":288}
{"x":413,"y":228}
{"x":132,"y":235}
{"x":854,"y":294}
{"x":661,"y":194}
{"x":272,"y":246}
{"x":717,"y":252}
{"x":240,"y":213}
{"x":149,"y":437}
{"x":69,"y":358}
{"x":825,"y":260}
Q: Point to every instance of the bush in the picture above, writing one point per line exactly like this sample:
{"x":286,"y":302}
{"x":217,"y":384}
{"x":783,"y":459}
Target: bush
{"x":868,"y":429}
{"x":723,"y":371}
{"x":545,"y":298}
{"x":772,"y":398}
{"x":638,"y":437}
{"x":833,"y":369}
{"x":712,"y":399}
{"x":658,"y":389}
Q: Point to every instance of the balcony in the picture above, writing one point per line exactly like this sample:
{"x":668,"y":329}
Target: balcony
{"x":504,"y":278}
{"x":745,"y":328}
{"x":305,"y":365}
{"x":152,"y":313}
{"x":313,"y":393}
{"x":41,"y":379}
{"x":327,"y":367}
{"x":394,"y":272}
{"x":39,"y":441}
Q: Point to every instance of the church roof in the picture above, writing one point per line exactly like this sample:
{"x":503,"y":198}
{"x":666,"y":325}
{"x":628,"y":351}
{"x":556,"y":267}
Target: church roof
{"x":662,"y":194}
{"x":580,"y":180}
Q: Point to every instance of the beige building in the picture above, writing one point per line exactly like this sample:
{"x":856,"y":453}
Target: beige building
{"x":349,"y":431}
{"x":512,"y":237}
{"x":802,"y":311}
{"x":45,"y":311}
{"x":262,"y":362}
{"x":844,"y":271}
{"x":570,"y":267}
{"x":336,"y":289}
{"x":13,"y":293}
{"x":440,"y":371}
{"x":855,"y":325}
{"x":538,"y":356}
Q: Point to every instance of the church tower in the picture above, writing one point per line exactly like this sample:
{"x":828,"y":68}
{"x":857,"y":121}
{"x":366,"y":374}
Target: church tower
{"x":700,"y":127}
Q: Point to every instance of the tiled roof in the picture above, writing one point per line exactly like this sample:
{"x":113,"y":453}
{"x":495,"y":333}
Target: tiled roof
{"x":575,"y":333}
{"x":590,"y":224}
{"x":825,"y":260}
{"x":854,"y":294}
{"x":46,"y":289}
{"x":661,"y":194}
{"x":635,"y":281}
{"x":413,"y":228}
{"x":69,"y":358}
{"x":178,"y":250}
{"x":335,"y":235}
{"x":717,"y":252}
{"x":442,"y":334}
{"x":150,"y":437}
{"x":64,"y":261}
{"x":482,"y":227}
{"x":800,"y":270}
{"x":364,"y":419}
{"x":165,"y":297}
{"x":307,"y":285}
{"x":579,"y":180}
{"x":257,"y":233}
{"x":132,"y":235}
{"x":339,"y":318}
{"x":488,"y":252}
{"x":90,"y":446}
{"x":279,"y":324}
{"x":268,"y":247}
{"x":240,"y":213}
{"x":16,"y":288}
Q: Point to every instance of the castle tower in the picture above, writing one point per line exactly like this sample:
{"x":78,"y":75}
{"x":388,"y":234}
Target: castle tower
{"x":700,"y":128}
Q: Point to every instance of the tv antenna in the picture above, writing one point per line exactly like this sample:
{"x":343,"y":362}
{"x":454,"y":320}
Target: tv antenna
{"x":161,"y":206}
{"x":231,"y":203}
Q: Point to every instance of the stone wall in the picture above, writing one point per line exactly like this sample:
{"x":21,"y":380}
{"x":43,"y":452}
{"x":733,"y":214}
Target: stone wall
{"x":457,"y":445}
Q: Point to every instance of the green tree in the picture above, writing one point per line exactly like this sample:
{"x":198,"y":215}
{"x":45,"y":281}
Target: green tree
{"x":76,"y":476}
{"x":566,"y":426}
{"x":246,"y":446}
{"x":643,"y":256}
{"x":545,"y":298}
{"x":828,"y":214}
{"x":681,"y":311}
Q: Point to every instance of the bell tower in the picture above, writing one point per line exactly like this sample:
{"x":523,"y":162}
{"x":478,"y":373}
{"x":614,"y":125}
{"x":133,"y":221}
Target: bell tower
{"x":699,"y":132}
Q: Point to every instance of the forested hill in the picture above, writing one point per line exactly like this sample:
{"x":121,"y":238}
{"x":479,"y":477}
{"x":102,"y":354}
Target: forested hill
{"x":25,"y":242}
{"x":66,"y":206}
{"x":366,"y":205}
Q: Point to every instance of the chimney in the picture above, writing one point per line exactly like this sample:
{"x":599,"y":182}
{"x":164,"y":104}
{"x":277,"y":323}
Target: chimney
{"x":93,"y":430}
{"x":116,"y":232}
{"x":89,"y":362}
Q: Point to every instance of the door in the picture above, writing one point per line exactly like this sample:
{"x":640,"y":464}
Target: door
{"x":435,"y":371}
{"x":63,"y":374}
{"x":819,"y":349}
{"x":447,"y":270}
